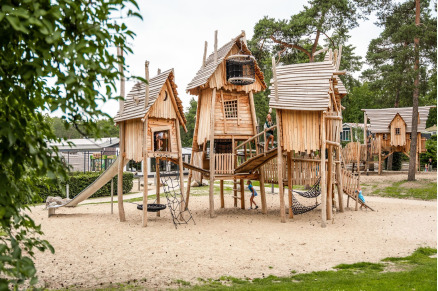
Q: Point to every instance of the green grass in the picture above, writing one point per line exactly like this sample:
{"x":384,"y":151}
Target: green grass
{"x":420,"y":189}
{"x":415,"y":272}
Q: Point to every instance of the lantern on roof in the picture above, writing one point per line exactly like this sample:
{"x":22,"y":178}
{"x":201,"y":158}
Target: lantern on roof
{"x":240,"y":69}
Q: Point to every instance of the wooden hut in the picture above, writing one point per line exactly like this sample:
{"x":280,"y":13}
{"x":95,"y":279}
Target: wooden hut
{"x":225,"y":115}
{"x":307,"y":98}
{"x":391,"y":131}
{"x":149,"y":122}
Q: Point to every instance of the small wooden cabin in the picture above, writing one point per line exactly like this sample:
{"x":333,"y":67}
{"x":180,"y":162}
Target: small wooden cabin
{"x":149,"y":123}
{"x":225,"y":85}
{"x":307,"y":99}
{"x":391,"y":130}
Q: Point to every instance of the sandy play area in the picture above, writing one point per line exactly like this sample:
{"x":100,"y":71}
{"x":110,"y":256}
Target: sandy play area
{"x":93,"y":248}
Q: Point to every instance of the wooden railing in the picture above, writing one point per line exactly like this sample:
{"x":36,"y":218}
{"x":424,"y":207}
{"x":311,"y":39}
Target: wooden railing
{"x":351,"y":151}
{"x":350,"y":182}
{"x":224,"y":163}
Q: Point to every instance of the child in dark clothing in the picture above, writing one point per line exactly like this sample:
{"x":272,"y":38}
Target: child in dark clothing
{"x":253,"y":194}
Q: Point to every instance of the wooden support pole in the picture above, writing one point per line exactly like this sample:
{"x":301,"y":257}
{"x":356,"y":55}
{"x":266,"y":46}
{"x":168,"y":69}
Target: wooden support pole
{"x":145,"y":173}
{"x":262,"y":190}
{"x":242,"y":193}
{"x":180,"y":163}
{"x":222,"y":194}
{"x":274,"y":74}
{"x":329,"y":182}
{"x":215,"y":53}
{"x":323,"y":174}
{"x":253,"y":113}
{"x":358,"y":175}
{"x":290,"y":162}
{"x":280,"y":167}
{"x":380,"y":154}
{"x":339,"y":179}
{"x":112,"y":195}
{"x":205,"y":54}
{"x":365,"y":139}
{"x":212,"y":165}
{"x":146,"y":99}
{"x":233,"y":144}
{"x":157,"y":174}
{"x":120,"y":173}
{"x":235,"y":192}
{"x":122,"y":82}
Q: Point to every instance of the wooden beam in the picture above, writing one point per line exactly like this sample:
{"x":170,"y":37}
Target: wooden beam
{"x":365,"y":139}
{"x":290,"y":162}
{"x":339,"y":179}
{"x":242,"y":193}
{"x":215,"y":50}
{"x":181,"y":164}
{"x":332,"y":143}
{"x":329,"y":182}
{"x":120,"y":173}
{"x":223,"y":111}
{"x":158,"y":182}
{"x":262,"y":191}
{"x":145,"y":174}
{"x":222,"y":194}
{"x":274,"y":74}
{"x":280,"y":167}
{"x":380,"y":154}
{"x":253,"y":113}
{"x":146,"y":99}
{"x":212,"y":166}
{"x":334,"y":117}
{"x":205,"y":54}
{"x":323,"y":174}
{"x":122,"y":82}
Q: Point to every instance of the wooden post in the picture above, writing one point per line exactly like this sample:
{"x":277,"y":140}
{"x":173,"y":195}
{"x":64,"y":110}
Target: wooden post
{"x":157,"y":174}
{"x":205,"y":54}
{"x":212,"y":166}
{"x":120,"y":174}
{"x":253,"y":114}
{"x":274,"y":74}
{"x":358,"y":175}
{"x":323,"y":176}
{"x":146,"y":99}
{"x":290,"y":182}
{"x":235,"y":165}
{"x":235,"y":192}
{"x":262,"y":190}
{"x":145,"y":173}
{"x":280,"y":167}
{"x":339,"y":179}
{"x":329,"y":182}
{"x":215,"y":52}
{"x":222,"y":194}
{"x":112,"y":195}
{"x":380,"y":154}
{"x":181,"y":165}
{"x":242,"y":194}
{"x":365,"y":139}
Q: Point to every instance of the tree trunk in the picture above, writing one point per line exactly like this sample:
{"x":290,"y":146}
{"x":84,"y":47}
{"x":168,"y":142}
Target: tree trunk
{"x":413,"y":150}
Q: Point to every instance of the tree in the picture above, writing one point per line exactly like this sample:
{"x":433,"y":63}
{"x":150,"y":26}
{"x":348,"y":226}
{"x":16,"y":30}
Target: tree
{"x":187,"y":137}
{"x":54,"y":56}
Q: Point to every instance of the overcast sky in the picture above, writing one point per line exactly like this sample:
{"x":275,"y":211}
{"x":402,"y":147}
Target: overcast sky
{"x":172,"y":34}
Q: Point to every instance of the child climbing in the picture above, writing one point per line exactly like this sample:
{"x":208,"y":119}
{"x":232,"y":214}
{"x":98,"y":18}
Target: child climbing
{"x":269,"y":133}
{"x":361,"y":198}
{"x":253,"y":194}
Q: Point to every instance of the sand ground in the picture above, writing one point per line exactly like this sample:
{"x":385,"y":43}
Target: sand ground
{"x":93,"y":248}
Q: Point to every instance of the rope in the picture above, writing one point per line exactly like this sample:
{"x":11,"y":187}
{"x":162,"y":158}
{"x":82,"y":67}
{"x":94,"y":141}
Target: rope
{"x":298,"y":208}
{"x":314,"y":192}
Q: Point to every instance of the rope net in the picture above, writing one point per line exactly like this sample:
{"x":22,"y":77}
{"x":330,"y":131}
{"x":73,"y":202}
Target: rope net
{"x":314,"y":192}
{"x":298,"y":208}
{"x":170,"y":181}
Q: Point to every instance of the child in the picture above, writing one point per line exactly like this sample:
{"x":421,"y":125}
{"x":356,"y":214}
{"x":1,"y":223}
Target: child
{"x":361,"y":198}
{"x":253,"y":194}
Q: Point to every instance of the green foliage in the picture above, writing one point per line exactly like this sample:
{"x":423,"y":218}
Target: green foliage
{"x":187,"y":137}
{"x":397,"y":159}
{"x":421,"y":189}
{"x":54,"y":56}
{"x":430,"y":152}
{"x":79,"y":181}
{"x":65,"y":130}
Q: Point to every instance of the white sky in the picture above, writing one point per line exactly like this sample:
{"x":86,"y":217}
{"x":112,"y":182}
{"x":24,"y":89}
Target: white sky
{"x":172,"y":34}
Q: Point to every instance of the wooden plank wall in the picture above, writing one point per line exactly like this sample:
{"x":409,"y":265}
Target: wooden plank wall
{"x":398,"y":139}
{"x":233,"y":127}
{"x":301,"y":130}
{"x":161,"y":108}
{"x":350,"y":152}
{"x":133,"y":138}
{"x":224,"y":163}
{"x":219,"y":77}
{"x":204,"y":116}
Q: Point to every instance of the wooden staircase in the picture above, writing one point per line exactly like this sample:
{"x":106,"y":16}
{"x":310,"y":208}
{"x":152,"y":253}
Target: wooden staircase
{"x":256,"y":162}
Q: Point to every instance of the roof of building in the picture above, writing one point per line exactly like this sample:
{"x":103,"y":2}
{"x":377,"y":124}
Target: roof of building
{"x":354,"y":125}
{"x":205,"y":72}
{"x":380,"y":119}
{"x":305,"y":86}
{"x":86,"y":144}
{"x":134,"y":101}
{"x":431,"y":129}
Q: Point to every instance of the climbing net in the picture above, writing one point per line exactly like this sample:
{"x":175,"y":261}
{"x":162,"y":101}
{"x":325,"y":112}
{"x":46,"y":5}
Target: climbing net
{"x":298,"y":208}
{"x":314,"y":192}
{"x":170,"y":181}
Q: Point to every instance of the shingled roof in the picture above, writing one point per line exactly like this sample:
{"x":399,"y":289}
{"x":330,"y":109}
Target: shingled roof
{"x":206,"y":72}
{"x":135,"y":109}
{"x":305,"y":86}
{"x":380,"y":119}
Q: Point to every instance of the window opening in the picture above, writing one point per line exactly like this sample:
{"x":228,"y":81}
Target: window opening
{"x":230,"y":108}
{"x":397,"y":130}
{"x":161,"y":141}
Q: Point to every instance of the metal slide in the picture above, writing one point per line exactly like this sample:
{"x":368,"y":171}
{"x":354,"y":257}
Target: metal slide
{"x":104,"y":178}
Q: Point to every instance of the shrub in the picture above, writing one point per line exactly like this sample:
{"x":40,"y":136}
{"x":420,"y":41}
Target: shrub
{"x":79,"y":181}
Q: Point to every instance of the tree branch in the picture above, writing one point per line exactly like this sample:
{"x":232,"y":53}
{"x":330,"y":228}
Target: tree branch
{"x":285,"y":44}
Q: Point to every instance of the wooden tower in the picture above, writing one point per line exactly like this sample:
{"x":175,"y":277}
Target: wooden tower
{"x":225,"y":112}
{"x":390,"y":131}
{"x":307,"y":98}
{"x":149,"y":123}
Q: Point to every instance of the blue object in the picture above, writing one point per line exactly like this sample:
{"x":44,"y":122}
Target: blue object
{"x":253,"y":191}
{"x":361,"y":198}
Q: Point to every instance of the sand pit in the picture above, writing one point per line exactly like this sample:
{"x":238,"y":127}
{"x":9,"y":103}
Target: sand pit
{"x":94,"y":249}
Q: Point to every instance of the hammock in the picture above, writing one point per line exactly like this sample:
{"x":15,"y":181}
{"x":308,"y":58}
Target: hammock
{"x":314,"y":192}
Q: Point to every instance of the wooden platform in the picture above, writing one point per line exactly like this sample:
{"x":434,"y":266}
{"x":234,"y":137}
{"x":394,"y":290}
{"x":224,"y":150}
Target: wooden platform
{"x":187,"y":165}
{"x":256,"y":162}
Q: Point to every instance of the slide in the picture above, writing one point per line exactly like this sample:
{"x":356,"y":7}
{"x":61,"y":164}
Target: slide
{"x":104,"y":178}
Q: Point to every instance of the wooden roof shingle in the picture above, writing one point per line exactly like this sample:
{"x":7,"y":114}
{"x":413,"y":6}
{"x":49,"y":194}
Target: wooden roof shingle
{"x":135,"y":109}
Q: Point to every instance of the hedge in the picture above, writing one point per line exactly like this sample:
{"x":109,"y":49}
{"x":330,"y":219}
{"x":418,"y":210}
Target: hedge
{"x":77,"y":182}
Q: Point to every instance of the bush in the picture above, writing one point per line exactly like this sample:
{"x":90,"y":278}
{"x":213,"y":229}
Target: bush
{"x":79,"y":181}
{"x":397,"y":161}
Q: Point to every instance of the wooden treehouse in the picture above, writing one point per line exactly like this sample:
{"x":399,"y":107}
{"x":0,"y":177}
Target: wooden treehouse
{"x":149,"y":121}
{"x":390,"y":132}
{"x":225,"y":85}
{"x":307,"y":98}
